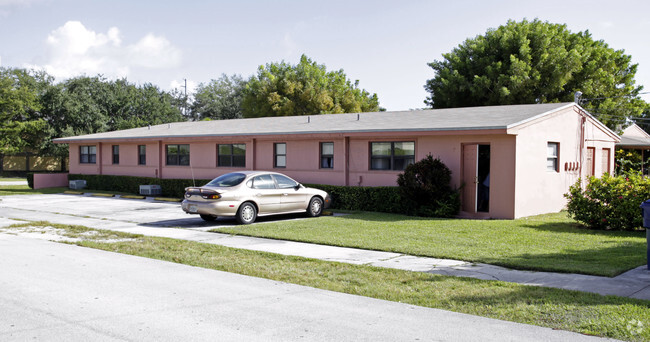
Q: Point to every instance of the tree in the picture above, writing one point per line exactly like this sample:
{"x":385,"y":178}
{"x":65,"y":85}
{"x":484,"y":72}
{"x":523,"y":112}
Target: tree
{"x":21,"y":128}
{"x":85,"y":105}
{"x":219,"y":99}
{"x":537,"y":62}
{"x":281,"y":89}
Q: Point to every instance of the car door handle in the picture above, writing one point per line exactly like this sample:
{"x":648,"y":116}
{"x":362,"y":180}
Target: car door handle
{"x":285,"y":194}
{"x":258,"y":195}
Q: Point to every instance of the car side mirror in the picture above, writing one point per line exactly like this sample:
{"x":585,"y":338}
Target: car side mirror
{"x":296,"y":187}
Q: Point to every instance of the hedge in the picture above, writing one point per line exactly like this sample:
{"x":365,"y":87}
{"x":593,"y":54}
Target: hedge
{"x":130,"y":184}
{"x":383,"y":199}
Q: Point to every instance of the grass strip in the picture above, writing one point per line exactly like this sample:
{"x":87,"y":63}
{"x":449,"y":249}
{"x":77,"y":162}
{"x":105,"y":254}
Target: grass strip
{"x":551,"y":242}
{"x":587,"y":313}
{"x":8,"y":190}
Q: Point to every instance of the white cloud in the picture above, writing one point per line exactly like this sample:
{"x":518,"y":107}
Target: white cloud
{"x":74,"y":50}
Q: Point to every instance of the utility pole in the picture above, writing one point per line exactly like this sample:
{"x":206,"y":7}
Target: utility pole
{"x":185,"y":98}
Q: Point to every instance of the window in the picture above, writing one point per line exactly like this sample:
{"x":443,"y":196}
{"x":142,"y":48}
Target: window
{"x":284,"y":182}
{"x":552,"y":157}
{"x":142,"y":154}
{"x":116,"y":154}
{"x":87,"y":154}
{"x":391,"y":155}
{"x":280,"y":155}
{"x":327,"y":155}
{"x":178,"y":154}
{"x":233,"y":155}
{"x":263,"y":182}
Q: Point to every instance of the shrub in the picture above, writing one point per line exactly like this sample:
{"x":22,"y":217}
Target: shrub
{"x":384,"y":199}
{"x":609,"y":202}
{"x":30,"y":180}
{"x":425,"y":185}
{"x":130,"y":184}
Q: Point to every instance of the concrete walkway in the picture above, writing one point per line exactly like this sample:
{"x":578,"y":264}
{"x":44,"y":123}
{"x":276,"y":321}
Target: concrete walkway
{"x":158,"y":219}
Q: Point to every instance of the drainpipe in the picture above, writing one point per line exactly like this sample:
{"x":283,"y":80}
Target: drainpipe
{"x":160,"y":159}
{"x":582,"y":142}
{"x":99,"y":157}
{"x":346,"y":156}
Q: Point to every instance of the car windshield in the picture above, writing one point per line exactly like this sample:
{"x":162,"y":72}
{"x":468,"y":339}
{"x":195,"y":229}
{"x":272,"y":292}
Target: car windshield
{"x":229,"y":179}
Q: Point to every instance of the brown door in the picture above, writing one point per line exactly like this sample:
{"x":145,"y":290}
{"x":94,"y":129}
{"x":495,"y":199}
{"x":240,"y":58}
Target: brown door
{"x":470,"y":165}
{"x":605,"y":161}
{"x":589,"y":163}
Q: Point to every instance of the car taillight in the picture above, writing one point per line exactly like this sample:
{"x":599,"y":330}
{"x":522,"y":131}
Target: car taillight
{"x":215,"y":196}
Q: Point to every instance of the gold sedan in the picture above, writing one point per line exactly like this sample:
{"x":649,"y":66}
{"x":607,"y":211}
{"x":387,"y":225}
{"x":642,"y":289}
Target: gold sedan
{"x":249,"y":194}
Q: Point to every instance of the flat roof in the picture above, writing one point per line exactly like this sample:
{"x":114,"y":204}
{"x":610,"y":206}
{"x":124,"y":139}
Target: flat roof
{"x":451,"y":119}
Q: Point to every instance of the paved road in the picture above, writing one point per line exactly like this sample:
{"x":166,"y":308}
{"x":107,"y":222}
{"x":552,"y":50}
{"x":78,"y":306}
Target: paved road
{"x":58,"y":292}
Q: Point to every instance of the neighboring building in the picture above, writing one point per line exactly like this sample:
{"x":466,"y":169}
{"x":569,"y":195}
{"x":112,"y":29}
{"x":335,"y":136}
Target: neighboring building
{"x":636,"y":142}
{"x":513,"y":161}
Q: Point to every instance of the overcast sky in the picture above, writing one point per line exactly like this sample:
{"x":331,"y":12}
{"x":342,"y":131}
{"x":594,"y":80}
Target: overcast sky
{"x":386,"y":45}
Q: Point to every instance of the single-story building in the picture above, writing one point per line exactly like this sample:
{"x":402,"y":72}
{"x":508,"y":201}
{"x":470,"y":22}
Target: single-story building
{"x":636,"y":141}
{"x":511,"y":161}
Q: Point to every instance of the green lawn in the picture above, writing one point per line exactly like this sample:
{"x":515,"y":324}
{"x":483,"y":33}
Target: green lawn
{"x":6,"y":190}
{"x":615,"y":317}
{"x":551,"y":242}
{"x":12,"y":179}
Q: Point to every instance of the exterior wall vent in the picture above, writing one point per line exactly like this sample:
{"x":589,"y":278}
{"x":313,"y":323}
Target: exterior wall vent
{"x":150,"y":190}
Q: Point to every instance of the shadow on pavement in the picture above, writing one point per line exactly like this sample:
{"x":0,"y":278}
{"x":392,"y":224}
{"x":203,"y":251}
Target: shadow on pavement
{"x":194,"y":221}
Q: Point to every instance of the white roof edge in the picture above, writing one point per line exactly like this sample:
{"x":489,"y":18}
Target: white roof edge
{"x":568,"y":105}
{"x":540,"y":115}
{"x":66,"y":139}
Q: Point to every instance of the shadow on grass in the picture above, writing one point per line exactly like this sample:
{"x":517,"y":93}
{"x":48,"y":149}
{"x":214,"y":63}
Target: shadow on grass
{"x":602,"y":261}
{"x":577,"y":228}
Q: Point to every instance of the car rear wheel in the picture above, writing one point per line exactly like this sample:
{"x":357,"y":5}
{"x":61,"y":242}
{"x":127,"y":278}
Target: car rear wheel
{"x":315,"y":207}
{"x":247,"y":213}
{"x":208,"y":218}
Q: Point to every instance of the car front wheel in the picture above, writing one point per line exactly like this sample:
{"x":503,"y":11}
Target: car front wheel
{"x":247,"y":213}
{"x":315,"y":207}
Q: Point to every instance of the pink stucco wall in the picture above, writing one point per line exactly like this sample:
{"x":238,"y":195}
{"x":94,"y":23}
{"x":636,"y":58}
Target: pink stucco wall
{"x":539,"y":190}
{"x":520,"y":184}
{"x":50,"y":180}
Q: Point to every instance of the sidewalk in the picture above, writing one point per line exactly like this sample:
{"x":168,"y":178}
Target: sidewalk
{"x":633,"y":284}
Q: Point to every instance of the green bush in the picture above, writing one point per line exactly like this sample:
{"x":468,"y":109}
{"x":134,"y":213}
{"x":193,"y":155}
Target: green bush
{"x":610,"y":202}
{"x":384,"y":199}
{"x":30,"y":180}
{"x":425,"y":186}
{"x":130,"y":184}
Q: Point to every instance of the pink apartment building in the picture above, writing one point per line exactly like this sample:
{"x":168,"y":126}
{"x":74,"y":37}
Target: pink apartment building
{"x":512,"y":161}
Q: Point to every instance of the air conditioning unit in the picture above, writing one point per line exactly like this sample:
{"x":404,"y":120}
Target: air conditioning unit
{"x":77,"y":184}
{"x":150,"y":190}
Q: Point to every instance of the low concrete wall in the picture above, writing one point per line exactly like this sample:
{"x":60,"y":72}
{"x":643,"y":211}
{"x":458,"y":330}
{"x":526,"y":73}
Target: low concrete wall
{"x":50,"y":180}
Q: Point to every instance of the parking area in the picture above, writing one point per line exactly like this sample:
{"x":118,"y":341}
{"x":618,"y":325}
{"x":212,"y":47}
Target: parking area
{"x":148,"y":212}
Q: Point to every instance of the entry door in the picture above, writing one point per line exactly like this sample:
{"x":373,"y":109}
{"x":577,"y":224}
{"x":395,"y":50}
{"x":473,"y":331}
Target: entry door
{"x":591,"y":151}
{"x":476,"y":177}
{"x":470,"y":165}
